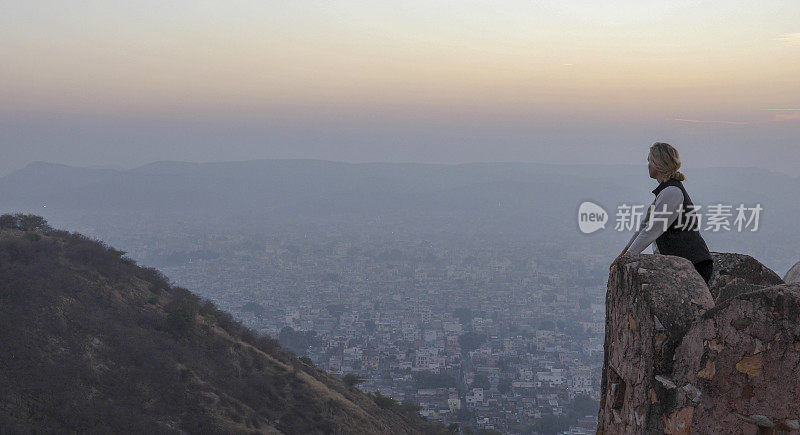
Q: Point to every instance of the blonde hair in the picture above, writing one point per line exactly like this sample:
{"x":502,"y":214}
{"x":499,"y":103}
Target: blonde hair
{"x":665,"y":159}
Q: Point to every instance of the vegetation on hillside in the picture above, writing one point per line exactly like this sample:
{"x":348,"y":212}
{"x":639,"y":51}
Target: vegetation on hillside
{"x":91,"y":342}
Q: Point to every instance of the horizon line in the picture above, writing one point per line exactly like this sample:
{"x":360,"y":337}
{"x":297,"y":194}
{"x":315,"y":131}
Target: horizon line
{"x":120,"y":168}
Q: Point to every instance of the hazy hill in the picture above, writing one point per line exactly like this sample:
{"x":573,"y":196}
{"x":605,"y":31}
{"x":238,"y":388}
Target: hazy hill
{"x":479,"y":200}
{"x":91,"y":342}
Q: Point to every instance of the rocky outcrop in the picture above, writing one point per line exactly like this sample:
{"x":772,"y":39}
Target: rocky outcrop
{"x":650,"y":305}
{"x":739,"y":365}
{"x":676,"y":361}
{"x":735,"y":274}
{"x":793,"y":275}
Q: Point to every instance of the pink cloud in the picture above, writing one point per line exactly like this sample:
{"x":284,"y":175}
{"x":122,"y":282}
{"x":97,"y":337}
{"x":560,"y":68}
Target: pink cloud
{"x":787,"y":116}
{"x":784,"y":114}
{"x":698,"y":121}
{"x":791,"y":114}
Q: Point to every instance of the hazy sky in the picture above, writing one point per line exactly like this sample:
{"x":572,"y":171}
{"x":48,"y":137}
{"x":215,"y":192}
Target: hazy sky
{"x":128,"y":82}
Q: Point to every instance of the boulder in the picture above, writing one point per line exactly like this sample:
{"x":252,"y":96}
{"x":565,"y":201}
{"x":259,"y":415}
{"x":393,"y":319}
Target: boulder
{"x":677,"y":362}
{"x":651,"y":302}
{"x":735,"y":274}
{"x":793,"y":275}
{"x":741,"y":363}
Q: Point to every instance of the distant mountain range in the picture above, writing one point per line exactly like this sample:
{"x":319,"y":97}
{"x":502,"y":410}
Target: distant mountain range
{"x":478,"y":200}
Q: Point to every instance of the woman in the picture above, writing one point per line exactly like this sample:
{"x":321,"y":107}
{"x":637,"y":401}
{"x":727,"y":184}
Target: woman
{"x":673,"y":205}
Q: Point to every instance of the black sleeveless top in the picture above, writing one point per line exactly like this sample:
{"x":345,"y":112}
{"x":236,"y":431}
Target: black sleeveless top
{"x":682,"y":238}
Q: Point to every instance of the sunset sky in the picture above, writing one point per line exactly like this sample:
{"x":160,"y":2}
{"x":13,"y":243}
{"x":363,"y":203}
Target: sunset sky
{"x":126,"y":83}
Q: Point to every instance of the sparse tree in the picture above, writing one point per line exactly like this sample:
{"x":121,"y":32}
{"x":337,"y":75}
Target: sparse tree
{"x":351,"y":380}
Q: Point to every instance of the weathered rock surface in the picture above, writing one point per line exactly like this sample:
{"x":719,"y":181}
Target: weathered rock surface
{"x":793,"y":275}
{"x":743,"y":356}
{"x":735,"y":274}
{"x":650,"y":304}
{"x":677,"y":363}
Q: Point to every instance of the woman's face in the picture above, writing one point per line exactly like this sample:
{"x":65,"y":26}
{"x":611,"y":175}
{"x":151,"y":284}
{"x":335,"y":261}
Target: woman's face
{"x":652,"y":170}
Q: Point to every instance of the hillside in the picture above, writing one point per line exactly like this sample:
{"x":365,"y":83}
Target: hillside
{"x":91,"y":342}
{"x":683,"y":357}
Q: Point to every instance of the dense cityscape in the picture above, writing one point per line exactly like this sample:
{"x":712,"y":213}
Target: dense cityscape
{"x":493,"y":336}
